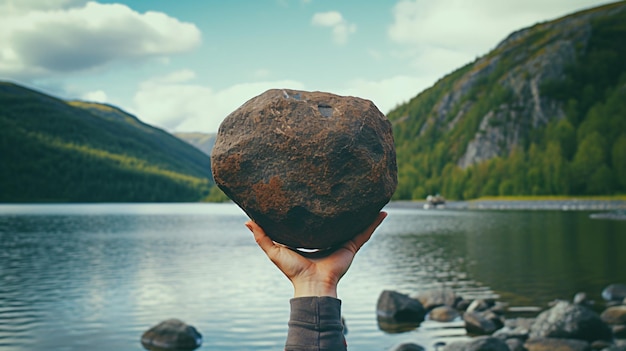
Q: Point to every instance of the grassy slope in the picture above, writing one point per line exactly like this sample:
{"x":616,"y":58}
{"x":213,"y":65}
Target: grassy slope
{"x":54,"y":151}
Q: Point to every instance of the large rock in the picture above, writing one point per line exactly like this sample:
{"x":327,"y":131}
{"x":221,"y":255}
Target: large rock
{"x":393,"y":306}
{"x":567,"y":320}
{"x":171,"y":334}
{"x":313,"y":169}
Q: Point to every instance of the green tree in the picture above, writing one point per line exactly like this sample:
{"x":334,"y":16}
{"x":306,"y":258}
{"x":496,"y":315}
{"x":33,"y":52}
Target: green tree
{"x":554,"y":169}
{"x":601,"y":181}
{"x":619,"y":160}
{"x":590,"y":157}
{"x":565,"y":134}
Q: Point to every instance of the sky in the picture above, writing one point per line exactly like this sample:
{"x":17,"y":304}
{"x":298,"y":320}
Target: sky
{"x":184,"y":65}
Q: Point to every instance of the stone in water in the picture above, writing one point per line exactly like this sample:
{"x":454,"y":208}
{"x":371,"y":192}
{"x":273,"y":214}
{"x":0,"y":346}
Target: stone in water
{"x":312,"y":168}
{"x":171,"y":334}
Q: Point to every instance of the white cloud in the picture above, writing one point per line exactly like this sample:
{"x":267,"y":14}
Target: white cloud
{"x":177,"y":105}
{"x":333,"y":19}
{"x":13,"y":7}
{"x":441,"y":36}
{"x":40,"y":42}
{"x":95,"y":96}
{"x":186,"y":107}
{"x":458,"y":25}
{"x":387,"y":93}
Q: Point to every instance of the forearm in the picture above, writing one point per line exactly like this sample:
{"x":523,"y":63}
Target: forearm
{"x":315,"y":325}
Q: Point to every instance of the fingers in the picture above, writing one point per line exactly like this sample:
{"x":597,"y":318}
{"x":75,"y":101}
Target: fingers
{"x":260,"y":237}
{"x":360,"y":240}
{"x":353,"y":245}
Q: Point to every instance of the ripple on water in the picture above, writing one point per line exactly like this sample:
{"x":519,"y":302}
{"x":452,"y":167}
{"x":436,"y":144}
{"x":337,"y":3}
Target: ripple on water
{"x":96,"y":277}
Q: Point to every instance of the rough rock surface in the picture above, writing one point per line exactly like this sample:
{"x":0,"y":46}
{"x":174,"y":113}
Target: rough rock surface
{"x":171,"y":334}
{"x":567,"y":320}
{"x":312,"y":168}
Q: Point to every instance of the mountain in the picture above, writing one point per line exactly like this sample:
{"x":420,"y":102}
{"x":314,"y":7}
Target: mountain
{"x":542,"y":113}
{"x":202,"y":141}
{"x":59,"y":151}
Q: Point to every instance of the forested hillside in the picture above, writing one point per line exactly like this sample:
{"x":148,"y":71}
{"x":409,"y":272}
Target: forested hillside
{"x":58,"y":151}
{"x":544,"y":113}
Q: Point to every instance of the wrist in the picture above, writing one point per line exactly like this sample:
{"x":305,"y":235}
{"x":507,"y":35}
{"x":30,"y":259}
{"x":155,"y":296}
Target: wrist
{"x":310,"y":288}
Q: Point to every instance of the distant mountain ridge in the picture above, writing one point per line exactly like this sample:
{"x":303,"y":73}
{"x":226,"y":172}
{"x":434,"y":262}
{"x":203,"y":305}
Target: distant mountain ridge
{"x":58,"y":151}
{"x":202,"y":141}
{"x":542,"y":113}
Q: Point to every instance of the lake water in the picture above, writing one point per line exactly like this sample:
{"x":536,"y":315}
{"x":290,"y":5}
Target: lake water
{"x":95,"y":277}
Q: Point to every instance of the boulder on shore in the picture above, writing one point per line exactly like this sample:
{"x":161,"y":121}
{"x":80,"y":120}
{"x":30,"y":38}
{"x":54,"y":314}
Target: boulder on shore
{"x":393,"y":306}
{"x":172,"y":334}
{"x":313,"y":169}
{"x":568,"y":320}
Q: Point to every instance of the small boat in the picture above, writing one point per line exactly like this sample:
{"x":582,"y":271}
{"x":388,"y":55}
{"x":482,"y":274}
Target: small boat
{"x":436,"y":201}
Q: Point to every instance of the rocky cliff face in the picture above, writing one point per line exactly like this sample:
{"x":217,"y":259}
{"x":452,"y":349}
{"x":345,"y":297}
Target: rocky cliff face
{"x":517,"y":68}
{"x":543,"y":113}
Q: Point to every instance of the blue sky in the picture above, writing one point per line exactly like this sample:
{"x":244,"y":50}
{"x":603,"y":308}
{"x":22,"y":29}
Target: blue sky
{"x":185,"y":65}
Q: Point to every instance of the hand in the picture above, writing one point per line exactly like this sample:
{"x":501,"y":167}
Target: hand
{"x":313,"y":276}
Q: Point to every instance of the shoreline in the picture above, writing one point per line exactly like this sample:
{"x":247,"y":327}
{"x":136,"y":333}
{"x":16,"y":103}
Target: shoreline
{"x":525,"y":204}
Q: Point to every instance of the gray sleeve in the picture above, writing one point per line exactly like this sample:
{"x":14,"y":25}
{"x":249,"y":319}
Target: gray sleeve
{"x":315,"y":325}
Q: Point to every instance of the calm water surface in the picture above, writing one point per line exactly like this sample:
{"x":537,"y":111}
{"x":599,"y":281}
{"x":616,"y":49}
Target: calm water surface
{"x":95,"y":277}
